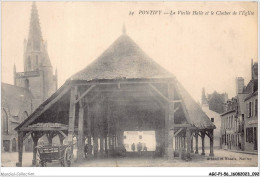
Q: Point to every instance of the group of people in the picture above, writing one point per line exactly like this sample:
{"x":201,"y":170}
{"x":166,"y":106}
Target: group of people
{"x":139,"y":147}
{"x":88,"y":149}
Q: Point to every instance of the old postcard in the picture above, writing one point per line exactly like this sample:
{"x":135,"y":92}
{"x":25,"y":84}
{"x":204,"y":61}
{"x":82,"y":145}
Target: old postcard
{"x":129,"y":84}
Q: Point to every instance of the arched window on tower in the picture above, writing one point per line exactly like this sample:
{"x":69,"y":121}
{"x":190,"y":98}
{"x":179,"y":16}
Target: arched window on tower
{"x":29,"y":63}
{"x":26,"y":83}
{"x":4,"y":122}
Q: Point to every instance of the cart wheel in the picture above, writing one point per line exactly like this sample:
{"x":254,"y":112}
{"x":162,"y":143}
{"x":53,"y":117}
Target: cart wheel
{"x":43,"y":164}
{"x":37,"y":164}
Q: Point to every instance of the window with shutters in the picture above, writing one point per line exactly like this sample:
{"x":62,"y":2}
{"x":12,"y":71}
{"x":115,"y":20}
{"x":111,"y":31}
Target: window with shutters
{"x":247,"y":110}
{"x":249,"y":135}
{"x":256,"y":107}
{"x":250,"y":109}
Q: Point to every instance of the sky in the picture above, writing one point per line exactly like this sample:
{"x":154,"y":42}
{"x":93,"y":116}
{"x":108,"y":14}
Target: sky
{"x":200,"y":50}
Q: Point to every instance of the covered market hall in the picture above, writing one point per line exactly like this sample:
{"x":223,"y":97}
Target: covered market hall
{"x":122,"y":90}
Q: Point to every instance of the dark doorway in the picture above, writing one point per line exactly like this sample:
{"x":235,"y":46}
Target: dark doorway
{"x":255,"y":138}
{"x":6,"y":145}
{"x":14,"y":145}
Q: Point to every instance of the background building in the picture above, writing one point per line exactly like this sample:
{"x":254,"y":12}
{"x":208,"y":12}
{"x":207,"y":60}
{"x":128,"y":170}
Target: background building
{"x":31,"y":87}
{"x":231,"y":137}
{"x":213,"y":115}
{"x":251,"y":118}
{"x":239,"y":124}
{"x":16,"y":106}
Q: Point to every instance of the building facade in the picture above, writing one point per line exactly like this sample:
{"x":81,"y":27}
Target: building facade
{"x":214,"y":116}
{"x":230,"y":122}
{"x":215,"y":101}
{"x":31,"y":87}
{"x":239,"y":122}
{"x":251,"y":118}
{"x":16,"y":106}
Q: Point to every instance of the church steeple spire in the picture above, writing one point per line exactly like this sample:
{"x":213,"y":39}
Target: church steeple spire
{"x":35,"y":53}
{"x":35,"y":34}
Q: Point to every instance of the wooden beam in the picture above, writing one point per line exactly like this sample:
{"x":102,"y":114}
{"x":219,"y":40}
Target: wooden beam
{"x":26,"y":135}
{"x":182,"y":103}
{"x":80,"y":143}
{"x":85,"y":93}
{"x":175,"y":101}
{"x":188,"y":141}
{"x":176,"y":109}
{"x":46,"y":107}
{"x":62,"y":133}
{"x":72,"y":114}
{"x":160,"y":103}
{"x":44,"y":128}
{"x":182,"y":125}
{"x":175,"y":134}
{"x":20,"y":149}
{"x":159,"y":93}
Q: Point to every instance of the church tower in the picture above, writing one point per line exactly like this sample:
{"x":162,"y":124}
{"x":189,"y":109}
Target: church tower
{"x":38,"y":71}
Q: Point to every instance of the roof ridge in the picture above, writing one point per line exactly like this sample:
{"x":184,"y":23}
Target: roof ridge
{"x":122,"y":59}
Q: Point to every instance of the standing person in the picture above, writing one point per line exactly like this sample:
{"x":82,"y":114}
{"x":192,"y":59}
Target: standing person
{"x":133,"y":147}
{"x":139,"y":148}
{"x":86,"y":150}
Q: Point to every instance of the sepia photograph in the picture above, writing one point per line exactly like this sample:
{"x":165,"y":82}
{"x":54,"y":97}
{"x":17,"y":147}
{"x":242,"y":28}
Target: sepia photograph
{"x":129,"y":84}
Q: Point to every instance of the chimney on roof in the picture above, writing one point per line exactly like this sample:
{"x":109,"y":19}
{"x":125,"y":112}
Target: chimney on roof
{"x":239,"y":85}
{"x":203,"y":97}
{"x":254,"y":70}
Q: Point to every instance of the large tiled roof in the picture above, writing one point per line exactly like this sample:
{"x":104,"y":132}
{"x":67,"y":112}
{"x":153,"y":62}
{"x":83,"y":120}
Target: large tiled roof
{"x":123,"y":59}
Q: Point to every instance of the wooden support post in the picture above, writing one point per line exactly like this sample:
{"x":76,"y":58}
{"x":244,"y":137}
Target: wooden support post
{"x":188,"y":139}
{"x":95,"y":142}
{"x":211,"y":143}
{"x":169,"y":123}
{"x":89,"y":130}
{"x":49,"y":137}
{"x":10,"y":146}
{"x":89,"y":145}
{"x":106,"y":149}
{"x":178,"y":143}
{"x":35,"y":138}
{"x":191,"y":145}
{"x":113,"y":141}
{"x":73,"y":95}
{"x":61,"y":138}
{"x":197,"y":143}
{"x":81,"y":139}
{"x":95,"y":137}
{"x":202,"y":142}
{"x":101,"y":146}
{"x":102,"y":129}
{"x":20,"y":149}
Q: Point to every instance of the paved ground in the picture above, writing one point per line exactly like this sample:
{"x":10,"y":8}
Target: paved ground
{"x":222,"y":158}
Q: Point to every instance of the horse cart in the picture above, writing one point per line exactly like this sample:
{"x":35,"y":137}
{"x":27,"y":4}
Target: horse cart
{"x":48,"y":153}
